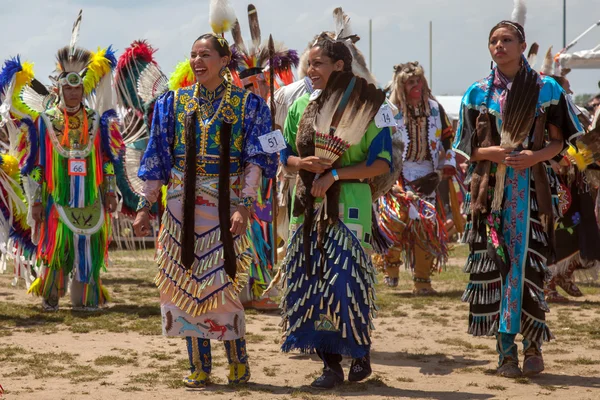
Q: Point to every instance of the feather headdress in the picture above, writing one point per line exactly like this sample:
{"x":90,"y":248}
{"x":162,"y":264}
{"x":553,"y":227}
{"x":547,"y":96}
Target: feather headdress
{"x":221,"y":16}
{"x":588,"y":149}
{"x":346,"y":107}
{"x":519,"y":13}
{"x":532,"y":54}
{"x":182,"y":76}
{"x":548,"y":65}
{"x":254,"y":60}
{"x":343,"y":31}
{"x":519,"y":116}
{"x":138,"y":77}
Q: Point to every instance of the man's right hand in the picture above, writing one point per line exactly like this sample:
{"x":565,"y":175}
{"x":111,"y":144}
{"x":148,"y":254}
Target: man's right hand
{"x":141,"y":225}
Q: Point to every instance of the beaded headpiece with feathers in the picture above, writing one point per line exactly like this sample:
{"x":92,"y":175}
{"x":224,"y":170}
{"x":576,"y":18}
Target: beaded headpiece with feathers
{"x":254,"y":59}
{"x":343,"y":32}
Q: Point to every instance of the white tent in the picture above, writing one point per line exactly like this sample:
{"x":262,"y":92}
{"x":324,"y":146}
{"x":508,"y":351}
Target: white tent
{"x":451,"y":105}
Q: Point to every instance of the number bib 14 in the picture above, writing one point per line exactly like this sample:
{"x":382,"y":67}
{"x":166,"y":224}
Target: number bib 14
{"x":77,"y":167}
{"x":272,"y":142}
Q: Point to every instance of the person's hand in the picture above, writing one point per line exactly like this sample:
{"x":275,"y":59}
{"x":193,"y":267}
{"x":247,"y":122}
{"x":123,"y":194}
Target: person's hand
{"x":315,"y":164}
{"x":525,"y":159}
{"x":110,"y":204}
{"x":321,"y":185}
{"x":141,"y":225}
{"x":37,"y":213}
{"x":496,"y":154}
{"x":239,"y":220}
{"x":555,"y":166}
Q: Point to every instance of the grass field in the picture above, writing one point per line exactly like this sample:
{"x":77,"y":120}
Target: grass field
{"x":421,"y":349}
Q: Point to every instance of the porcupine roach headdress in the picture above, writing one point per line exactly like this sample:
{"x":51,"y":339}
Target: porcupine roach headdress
{"x":343,"y":32}
{"x":251,"y":62}
{"x":333,"y":122}
{"x":138,"y":82}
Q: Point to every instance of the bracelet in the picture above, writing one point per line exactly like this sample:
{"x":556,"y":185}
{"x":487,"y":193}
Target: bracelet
{"x":336,"y":177}
{"x":143,"y":203}
{"x":247,"y":202}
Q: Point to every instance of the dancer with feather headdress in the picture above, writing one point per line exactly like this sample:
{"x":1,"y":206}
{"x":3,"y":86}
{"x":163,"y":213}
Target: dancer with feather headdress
{"x":426,"y":132}
{"x":511,"y":124}
{"x":328,"y":302}
{"x":287,"y":95}
{"x":18,"y":250}
{"x":261,"y":68}
{"x":206,"y":147}
{"x":67,"y":162}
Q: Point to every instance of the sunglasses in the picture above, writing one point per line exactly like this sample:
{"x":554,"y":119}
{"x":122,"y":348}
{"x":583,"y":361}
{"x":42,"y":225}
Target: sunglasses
{"x":72,"y":79}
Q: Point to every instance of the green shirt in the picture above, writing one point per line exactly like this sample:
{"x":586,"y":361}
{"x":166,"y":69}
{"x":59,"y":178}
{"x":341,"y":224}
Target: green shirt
{"x":355,"y":198}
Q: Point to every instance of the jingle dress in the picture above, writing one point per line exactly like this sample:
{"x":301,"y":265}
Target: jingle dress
{"x":203,"y":302}
{"x":334,"y":314}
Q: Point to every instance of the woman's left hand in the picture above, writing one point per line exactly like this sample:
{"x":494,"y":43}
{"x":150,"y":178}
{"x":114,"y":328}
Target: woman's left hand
{"x":525,"y":159}
{"x":321,"y":185}
{"x":239,"y":220}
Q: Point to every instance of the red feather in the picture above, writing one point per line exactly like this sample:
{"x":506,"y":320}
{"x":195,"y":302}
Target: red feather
{"x":139,"y":50}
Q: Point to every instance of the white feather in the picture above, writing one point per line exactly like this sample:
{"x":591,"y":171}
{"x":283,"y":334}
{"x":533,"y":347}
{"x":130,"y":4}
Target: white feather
{"x":519,"y":13}
{"x":221,"y":16}
{"x":325,"y":115}
{"x":75,"y":33}
{"x":548,"y":64}
{"x":151,"y":83}
{"x":342,"y":23}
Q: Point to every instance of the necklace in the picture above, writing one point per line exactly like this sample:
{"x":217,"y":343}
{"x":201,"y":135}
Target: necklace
{"x":72,"y":110}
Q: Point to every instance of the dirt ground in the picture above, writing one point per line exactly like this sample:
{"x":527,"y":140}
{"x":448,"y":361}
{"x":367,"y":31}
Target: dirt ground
{"x":421,"y":349}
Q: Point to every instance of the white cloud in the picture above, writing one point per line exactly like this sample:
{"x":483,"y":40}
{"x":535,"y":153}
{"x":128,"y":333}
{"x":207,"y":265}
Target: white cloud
{"x":37,"y":28}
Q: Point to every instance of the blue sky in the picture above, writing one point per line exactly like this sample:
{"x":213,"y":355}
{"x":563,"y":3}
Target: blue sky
{"x":400,"y":30}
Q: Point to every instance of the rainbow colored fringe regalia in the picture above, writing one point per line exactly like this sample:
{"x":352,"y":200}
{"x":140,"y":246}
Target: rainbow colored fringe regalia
{"x":15,"y":232}
{"x":67,"y":160}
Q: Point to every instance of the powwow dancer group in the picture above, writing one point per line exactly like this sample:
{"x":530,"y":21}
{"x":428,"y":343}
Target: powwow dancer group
{"x":358,"y":169}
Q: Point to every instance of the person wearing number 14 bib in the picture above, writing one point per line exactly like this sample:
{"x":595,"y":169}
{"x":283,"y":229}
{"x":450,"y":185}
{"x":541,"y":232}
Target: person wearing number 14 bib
{"x":328,"y":303}
{"x":68,"y":166}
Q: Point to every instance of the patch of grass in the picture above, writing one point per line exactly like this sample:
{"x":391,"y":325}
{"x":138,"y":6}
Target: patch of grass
{"x":85,"y":373}
{"x":473,"y":384}
{"x":523,"y":380}
{"x":549,"y":388}
{"x":253,"y":337}
{"x":114,"y":360}
{"x":404,"y":379}
{"x":270,"y":371}
{"x":159,"y":355}
{"x":147,"y":379}
{"x":131,"y":389}
{"x":496,"y":387}
{"x":457,"y":342}
{"x":579,"y":361}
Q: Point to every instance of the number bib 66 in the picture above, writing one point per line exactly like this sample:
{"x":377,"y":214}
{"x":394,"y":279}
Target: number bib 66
{"x":77,"y":167}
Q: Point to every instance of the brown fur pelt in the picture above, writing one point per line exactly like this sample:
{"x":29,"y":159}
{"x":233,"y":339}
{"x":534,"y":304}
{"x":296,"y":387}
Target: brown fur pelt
{"x":540,"y":178}
{"x":481,"y":176}
{"x":304,"y":201}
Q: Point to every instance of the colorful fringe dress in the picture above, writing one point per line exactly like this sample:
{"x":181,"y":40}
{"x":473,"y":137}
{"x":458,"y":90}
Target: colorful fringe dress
{"x":72,"y":167}
{"x":330,"y":308}
{"x":201,"y":302}
{"x":509,"y":250}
